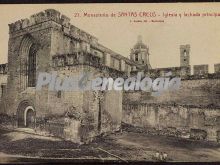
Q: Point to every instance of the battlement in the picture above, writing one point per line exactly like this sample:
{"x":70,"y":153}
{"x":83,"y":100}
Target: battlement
{"x":3,"y":68}
{"x":200,"y":72}
{"x":53,"y":15}
{"x":84,"y":58}
{"x":176,"y":72}
{"x":200,"y":69}
{"x":217,"y":68}
{"x":46,"y":15}
{"x":185,"y":46}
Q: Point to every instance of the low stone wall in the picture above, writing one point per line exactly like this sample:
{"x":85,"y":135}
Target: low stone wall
{"x":183,"y":121}
{"x":6,"y":120}
{"x":65,"y":127}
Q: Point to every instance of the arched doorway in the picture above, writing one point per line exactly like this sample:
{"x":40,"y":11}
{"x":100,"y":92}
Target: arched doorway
{"x":26,"y":115}
{"x":29,"y":117}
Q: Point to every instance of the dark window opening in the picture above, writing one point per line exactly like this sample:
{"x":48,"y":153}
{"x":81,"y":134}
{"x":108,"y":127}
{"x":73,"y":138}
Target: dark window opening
{"x":136,"y":57}
{"x":32,"y":66}
{"x":184,"y":53}
{"x":99,"y":116}
{"x":3,"y":90}
{"x":59,"y":94}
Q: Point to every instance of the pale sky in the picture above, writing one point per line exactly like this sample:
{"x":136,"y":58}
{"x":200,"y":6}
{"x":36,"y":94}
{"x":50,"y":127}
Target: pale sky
{"x":119,"y":34}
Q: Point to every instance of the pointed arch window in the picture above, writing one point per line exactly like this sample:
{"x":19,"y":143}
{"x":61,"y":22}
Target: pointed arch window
{"x":136,"y":57}
{"x":32,"y":66}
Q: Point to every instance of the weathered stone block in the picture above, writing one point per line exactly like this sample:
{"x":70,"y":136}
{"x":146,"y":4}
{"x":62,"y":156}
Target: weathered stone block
{"x":65,"y":21}
{"x":217,"y":68}
{"x":200,"y":69}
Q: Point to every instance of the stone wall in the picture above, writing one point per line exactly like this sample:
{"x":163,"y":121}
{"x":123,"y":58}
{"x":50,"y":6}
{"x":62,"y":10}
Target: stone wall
{"x":192,"y":111}
{"x":200,"y":69}
{"x":182,"y":71}
{"x":196,"y":92}
{"x":3,"y":86}
{"x":217,"y":68}
{"x":87,"y":103}
{"x":183,"y":121}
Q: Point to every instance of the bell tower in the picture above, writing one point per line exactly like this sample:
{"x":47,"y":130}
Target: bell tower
{"x":184,"y":55}
{"x":140,"y":53}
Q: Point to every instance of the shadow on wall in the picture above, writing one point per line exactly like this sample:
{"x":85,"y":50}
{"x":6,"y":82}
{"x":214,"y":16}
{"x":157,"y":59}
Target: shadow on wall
{"x":184,"y":121}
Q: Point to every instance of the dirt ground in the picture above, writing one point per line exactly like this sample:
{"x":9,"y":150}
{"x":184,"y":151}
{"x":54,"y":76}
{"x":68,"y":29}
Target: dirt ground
{"x":18,"y":146}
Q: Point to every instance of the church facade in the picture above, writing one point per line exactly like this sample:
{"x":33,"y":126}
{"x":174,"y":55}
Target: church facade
{"x":47,"y":42}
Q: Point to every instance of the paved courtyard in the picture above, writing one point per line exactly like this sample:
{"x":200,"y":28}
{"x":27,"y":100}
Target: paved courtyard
{"x":18,"y":146}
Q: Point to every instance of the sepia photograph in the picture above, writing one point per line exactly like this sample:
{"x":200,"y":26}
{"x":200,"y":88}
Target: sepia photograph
{"x":109,"y":83}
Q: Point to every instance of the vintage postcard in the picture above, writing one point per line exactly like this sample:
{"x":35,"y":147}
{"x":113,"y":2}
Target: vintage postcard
{"x":110,"y":83}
